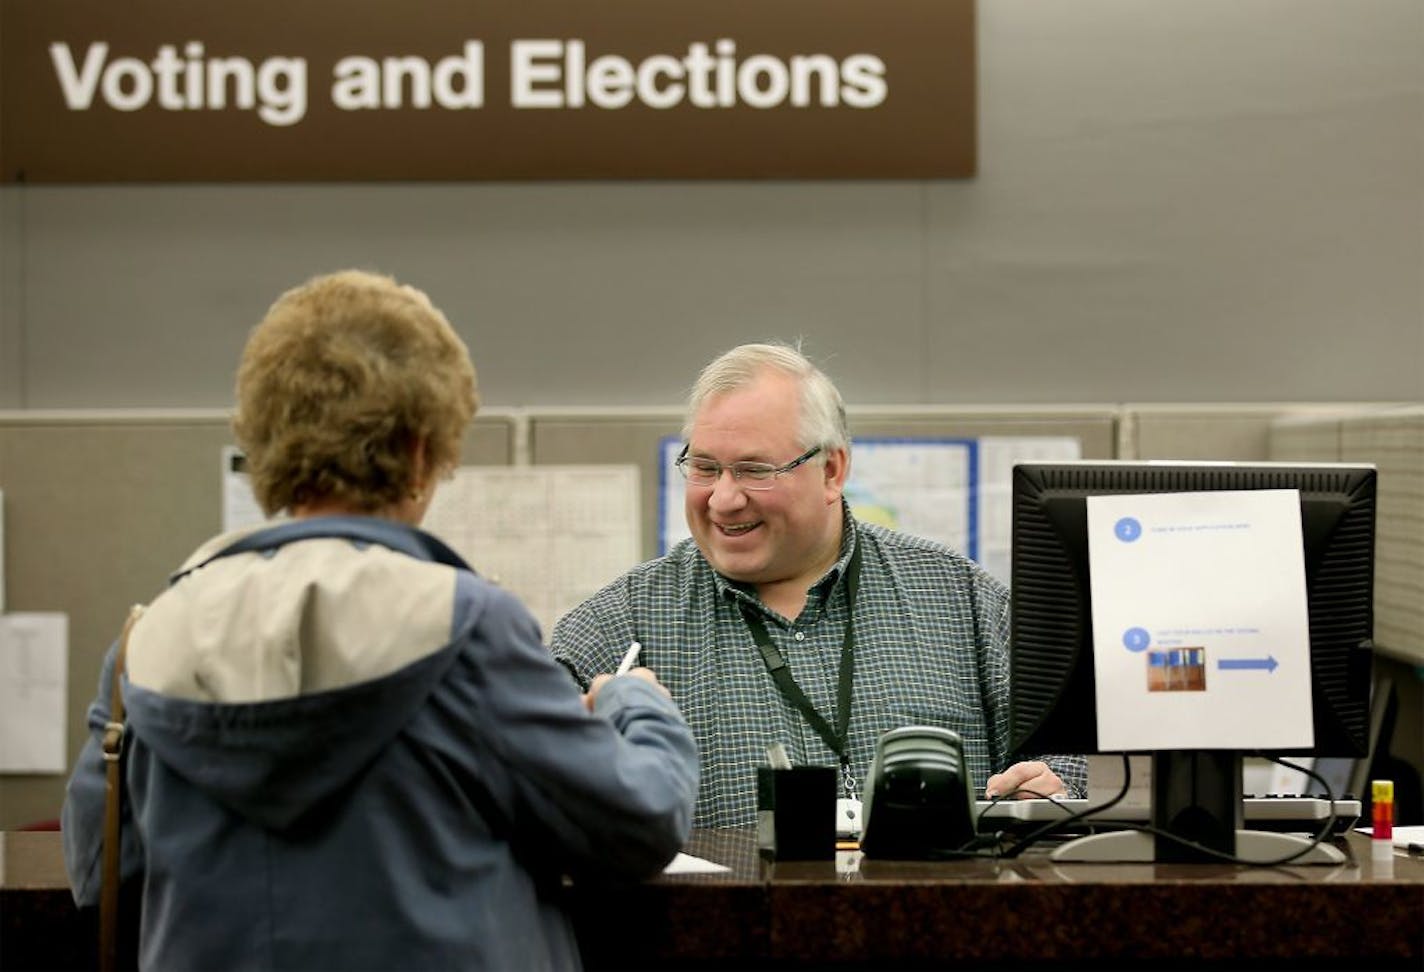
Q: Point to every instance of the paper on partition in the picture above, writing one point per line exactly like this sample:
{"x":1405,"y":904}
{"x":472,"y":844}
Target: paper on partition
{"x":1201,"y":635}
{"x":34,"y":688}
{"x":998,"y":455}
{"x":553,"y":535}
{"x":239,"y":504}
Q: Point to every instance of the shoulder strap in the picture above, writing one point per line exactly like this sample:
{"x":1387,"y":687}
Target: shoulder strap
{"x":113,"y":805}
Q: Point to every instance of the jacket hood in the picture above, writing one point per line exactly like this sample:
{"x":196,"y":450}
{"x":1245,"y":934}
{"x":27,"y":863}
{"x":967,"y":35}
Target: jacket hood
{"x":272,"y":674}
{"x":272,"y":762}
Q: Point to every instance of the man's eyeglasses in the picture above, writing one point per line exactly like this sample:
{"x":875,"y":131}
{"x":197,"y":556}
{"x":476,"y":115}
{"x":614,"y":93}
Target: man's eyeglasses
{"x":700,"y":471}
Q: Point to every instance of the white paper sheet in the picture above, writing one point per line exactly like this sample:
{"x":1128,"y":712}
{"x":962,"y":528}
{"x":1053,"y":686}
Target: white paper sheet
{"x":239,"y":505}
{"x":34,"y":687}
{"x":1200,"y":629}
{"x":997,"y":456}
{"x":553,"y":535}
{"x":687,"y":864}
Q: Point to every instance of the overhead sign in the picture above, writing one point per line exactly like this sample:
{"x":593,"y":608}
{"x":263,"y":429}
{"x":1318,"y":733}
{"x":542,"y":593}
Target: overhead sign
{"x":331,"y":90}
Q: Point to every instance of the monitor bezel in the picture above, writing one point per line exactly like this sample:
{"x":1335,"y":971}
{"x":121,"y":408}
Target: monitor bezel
{"x":1338,"y":733}
{"x":1196,"y":792}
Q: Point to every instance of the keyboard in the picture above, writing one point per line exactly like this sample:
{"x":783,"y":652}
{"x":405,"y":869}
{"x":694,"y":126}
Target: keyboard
{"x":1285,"y":814}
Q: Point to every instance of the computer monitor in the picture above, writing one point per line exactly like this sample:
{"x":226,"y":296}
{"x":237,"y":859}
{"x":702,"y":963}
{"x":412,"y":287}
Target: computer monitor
{"x":1196,"y":793}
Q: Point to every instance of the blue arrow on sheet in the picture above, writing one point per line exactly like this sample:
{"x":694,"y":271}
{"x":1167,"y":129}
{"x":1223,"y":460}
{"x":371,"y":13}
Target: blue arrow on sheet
{"x":1268,"y":663}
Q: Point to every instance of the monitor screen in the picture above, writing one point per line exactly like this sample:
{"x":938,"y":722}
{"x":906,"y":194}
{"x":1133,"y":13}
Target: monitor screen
{"x":1196,"y":793}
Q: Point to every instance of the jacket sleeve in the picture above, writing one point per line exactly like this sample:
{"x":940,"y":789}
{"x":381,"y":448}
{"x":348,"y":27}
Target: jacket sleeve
{"x":610,"y":792}
{"x":82,"y":815}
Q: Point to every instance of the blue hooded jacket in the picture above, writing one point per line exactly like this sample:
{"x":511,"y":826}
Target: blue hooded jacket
{"x":346,"y":750}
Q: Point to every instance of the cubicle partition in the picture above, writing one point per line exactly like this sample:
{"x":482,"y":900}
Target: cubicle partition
{"x":100,"y":507}
{"x":1226,"y":431}
{"x":1392,"y":439}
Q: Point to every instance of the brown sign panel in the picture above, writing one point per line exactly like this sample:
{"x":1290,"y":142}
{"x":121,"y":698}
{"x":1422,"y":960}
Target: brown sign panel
{"x":330,"y":90}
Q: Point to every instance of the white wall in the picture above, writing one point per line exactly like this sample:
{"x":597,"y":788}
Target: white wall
{"x":1178,"y":200}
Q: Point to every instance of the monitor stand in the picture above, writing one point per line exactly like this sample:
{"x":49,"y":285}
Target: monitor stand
{"x":1196,"y":795}
{"x":1137,"y":847}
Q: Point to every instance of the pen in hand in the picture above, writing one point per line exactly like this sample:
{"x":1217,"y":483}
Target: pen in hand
{"x":629,"y":657}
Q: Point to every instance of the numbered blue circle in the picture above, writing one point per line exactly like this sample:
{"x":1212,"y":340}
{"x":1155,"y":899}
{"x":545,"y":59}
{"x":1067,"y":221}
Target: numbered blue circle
{"x":1136,"y":639}
{"x":1127,"y":529}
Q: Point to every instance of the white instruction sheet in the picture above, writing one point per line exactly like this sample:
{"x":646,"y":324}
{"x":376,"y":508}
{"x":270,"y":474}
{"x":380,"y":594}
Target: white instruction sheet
{"x":34,"y":691}
{"x":1201,"y":635}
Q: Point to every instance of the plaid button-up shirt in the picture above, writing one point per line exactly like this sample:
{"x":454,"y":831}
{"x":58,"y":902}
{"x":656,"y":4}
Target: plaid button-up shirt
{"x":931,"y":648}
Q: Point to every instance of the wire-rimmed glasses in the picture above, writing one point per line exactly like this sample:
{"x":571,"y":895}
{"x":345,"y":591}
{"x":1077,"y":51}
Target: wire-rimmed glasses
{"x":701,"y":471}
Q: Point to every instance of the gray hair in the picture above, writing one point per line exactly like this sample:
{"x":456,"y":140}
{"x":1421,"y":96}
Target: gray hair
{"x":823,"y":417}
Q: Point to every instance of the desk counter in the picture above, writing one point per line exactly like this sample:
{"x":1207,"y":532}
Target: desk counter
{"x":877,"y":914}
{"x":1007,"y":914}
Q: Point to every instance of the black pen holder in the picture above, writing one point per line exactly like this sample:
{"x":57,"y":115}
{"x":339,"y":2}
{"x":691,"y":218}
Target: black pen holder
{"x":796,"y":813}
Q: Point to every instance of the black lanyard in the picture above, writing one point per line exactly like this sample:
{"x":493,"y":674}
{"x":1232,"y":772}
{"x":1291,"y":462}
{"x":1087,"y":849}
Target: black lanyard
{"x":781,"y":674}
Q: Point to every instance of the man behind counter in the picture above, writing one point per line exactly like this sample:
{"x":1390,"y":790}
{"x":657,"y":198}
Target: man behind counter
{"x":777,"y":559}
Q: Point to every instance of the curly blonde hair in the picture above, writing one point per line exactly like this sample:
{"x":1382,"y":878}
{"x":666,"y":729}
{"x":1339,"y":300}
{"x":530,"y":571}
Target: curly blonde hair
{"x":340,"y":380}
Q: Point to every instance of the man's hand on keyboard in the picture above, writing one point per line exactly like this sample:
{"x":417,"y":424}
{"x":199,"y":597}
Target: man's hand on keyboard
{"x":1025,"y":781}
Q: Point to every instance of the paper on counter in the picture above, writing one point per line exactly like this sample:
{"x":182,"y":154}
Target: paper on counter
{"x":687,"y":864}
{"x":1401,"y":837}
